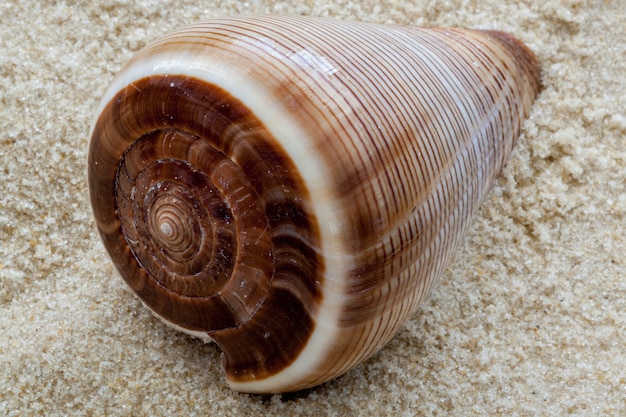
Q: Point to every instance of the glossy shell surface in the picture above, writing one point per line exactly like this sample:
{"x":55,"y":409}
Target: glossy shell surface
{"x":290,"y":187}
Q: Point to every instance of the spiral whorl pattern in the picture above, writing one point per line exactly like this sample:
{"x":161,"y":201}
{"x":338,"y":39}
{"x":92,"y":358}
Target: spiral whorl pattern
{"x":291,"y":187}
{"x":208,"y":213}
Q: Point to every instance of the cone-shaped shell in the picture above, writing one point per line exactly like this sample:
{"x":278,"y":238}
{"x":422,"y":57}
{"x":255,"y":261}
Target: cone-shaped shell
{"x":290,"y":187}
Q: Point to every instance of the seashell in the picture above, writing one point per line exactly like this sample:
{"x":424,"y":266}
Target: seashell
{"x":290,"y":187}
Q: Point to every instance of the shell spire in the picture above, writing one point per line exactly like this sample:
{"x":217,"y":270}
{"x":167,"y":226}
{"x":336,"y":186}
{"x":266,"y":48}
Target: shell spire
{"x":290,"y":187}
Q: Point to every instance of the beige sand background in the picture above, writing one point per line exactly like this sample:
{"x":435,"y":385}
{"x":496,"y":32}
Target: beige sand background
{"x":530,"y":319}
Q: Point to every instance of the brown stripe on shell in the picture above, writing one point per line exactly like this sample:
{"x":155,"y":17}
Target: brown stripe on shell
{"x":204,"y":217}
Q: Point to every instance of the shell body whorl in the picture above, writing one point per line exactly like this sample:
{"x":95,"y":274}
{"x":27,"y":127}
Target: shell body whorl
{"x":290,"y":187}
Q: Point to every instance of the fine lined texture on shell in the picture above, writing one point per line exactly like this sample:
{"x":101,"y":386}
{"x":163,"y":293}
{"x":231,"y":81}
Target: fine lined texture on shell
{"x":290,"y":187}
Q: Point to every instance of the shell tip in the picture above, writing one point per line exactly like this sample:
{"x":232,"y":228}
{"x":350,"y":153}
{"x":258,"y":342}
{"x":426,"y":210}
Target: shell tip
{"x":524,"y":57}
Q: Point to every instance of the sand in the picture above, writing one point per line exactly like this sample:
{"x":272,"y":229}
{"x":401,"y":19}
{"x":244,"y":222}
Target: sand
{"x":529,"y":319}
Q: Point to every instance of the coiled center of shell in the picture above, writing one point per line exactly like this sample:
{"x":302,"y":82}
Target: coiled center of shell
{"x":178,"y":216}
{"x":174,"y":216}
{"x":208,"y":223}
